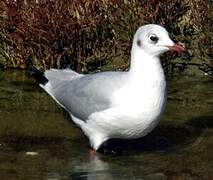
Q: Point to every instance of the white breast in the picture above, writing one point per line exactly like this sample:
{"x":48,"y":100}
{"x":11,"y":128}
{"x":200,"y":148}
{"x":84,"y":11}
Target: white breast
{"x":139,"y":110}
{"x":134,"y":111}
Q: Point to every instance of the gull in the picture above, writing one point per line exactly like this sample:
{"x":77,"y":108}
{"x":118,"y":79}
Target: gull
{"x":123,"y":105}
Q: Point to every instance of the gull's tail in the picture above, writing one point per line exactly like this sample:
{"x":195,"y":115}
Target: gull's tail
{"x":37,"y":74}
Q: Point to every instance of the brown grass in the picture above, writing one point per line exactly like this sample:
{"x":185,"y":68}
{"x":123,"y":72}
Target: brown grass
{"x":80,"y":34}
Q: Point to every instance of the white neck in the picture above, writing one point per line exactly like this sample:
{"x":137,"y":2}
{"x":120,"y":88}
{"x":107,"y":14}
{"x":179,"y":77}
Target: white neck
{"x":146,"y":77}
{"x":145,"y":67}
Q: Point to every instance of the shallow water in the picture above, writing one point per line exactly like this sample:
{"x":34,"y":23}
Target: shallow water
{"x":39,"y":141}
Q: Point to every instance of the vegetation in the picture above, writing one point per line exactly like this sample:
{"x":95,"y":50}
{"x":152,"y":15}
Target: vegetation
{"x":88,"y":35}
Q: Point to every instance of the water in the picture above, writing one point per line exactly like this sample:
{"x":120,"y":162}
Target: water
{"x":39,"y":141}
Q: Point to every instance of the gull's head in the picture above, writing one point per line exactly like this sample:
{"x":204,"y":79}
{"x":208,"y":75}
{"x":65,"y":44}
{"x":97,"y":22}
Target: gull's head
{"x":154,"y":40}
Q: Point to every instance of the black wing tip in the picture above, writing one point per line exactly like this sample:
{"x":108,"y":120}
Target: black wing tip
{"x":37,"y":74}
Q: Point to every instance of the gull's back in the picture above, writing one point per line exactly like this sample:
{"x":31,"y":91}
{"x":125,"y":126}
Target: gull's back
{"x":83,"y":95}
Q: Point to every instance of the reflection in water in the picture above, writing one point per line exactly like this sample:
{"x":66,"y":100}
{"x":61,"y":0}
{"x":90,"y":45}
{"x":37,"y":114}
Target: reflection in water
{"x":92,"y":169}
{"x":179,"y":148}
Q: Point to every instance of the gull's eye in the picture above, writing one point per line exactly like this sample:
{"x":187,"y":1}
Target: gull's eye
{"x":139,"y":43}
{"x":153,"y":38}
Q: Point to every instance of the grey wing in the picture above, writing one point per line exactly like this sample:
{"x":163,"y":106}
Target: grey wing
{"x":55,"y":76}
{"x":88,"y":94}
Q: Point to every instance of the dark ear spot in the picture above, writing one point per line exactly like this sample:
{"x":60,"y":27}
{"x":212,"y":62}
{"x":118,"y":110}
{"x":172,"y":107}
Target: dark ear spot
{"x":139,"y":43}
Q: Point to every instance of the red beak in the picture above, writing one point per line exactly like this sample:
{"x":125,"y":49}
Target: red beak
{"x":178,"y":48}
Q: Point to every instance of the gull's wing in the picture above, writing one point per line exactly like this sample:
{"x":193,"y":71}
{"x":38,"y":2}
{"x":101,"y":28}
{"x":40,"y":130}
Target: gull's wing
{"x":87,"y":94}
{"x":56,"y":75}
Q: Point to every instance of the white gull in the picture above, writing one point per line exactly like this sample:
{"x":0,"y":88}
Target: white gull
{"x":122,"y":105}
